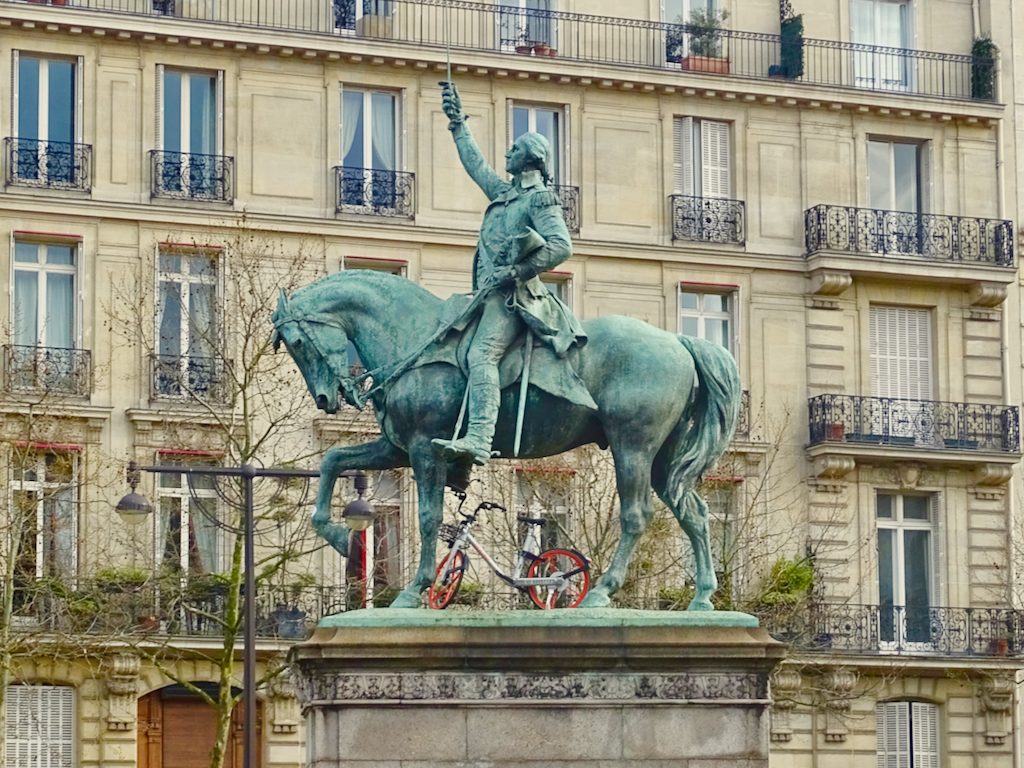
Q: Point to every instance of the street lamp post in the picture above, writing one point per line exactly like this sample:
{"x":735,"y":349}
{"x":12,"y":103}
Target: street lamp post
{"x":134,"y":507}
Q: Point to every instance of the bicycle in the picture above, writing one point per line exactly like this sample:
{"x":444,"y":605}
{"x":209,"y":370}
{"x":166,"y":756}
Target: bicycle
{"x":554,"y":578}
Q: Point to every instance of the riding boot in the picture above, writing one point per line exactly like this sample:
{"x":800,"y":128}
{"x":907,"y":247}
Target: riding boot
{"x":484,"y":400}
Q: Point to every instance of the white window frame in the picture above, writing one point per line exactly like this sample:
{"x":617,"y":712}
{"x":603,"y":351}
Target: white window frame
{"x":185,"y":493}
{"x":185,"y":111}
{"x":702,"y":158}
{"x":559,"y":284}
{"x":561,"y":147}
{"x":892,"y":183}
{"x":521,"y":20}
{"x":40,"y":726}
{"x":42,"y":107}
{"x":537,"y":496}
{"x":42,"y":269}
{"x":899,"y":524}
{"x":43,"y":490}
{"x":907,"y":734}
{"x":387,"y":5}
{"x":870,"y":69}
{"x":904,"y":367}
{"x":185,"y":280}
{"x":731,"y":292}
{"x":367,"y":93}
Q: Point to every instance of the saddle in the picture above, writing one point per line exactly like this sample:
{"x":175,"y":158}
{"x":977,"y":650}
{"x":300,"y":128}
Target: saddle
{"x":548,"y":372}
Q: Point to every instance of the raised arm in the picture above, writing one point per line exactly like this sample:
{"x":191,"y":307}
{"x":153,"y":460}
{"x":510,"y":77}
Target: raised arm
{"x":469,"y":153}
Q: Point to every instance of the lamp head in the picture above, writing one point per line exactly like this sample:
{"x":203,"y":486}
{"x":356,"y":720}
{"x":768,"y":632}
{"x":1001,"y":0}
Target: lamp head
{"x":133,"y":507}
{"x":358,"y":513}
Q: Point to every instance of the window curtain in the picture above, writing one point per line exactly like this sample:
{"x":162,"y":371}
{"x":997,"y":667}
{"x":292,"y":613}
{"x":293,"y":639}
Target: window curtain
{"x":351,"y":121}
{"x":203,"y":551}
{"x":59,"y":533}
{"x":60,"y":310}
{"x":383,"y":126}
{"x":26,"y":308}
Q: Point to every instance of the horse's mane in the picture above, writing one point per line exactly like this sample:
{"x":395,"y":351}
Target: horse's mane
{"x":376,"y":282}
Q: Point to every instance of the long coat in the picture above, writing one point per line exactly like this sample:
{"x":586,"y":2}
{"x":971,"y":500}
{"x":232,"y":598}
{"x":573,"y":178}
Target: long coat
{"x":515,"y":207}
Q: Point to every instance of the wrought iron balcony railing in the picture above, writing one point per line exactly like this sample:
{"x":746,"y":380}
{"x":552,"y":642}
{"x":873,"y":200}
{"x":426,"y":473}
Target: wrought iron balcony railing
{"x":48,"y":164}
{"x":569,"y":197}
{"x":901,"y":233}
{"x":707,"y":219}
{"x":47,"y":369}
{"x":637,"y":43}
{"x":189,"y":176}
{"x":184,"y":377}
{"x":743,"y":420}
{"x":927,"y":424}
{"x":909,"y":630}
{"x":374,"y":192}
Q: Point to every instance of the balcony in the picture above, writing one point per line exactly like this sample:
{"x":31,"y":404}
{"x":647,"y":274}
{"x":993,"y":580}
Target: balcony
{"x":372,"y":192}
{"x":569,"y":197}
{"x":707,"y":219}
{"x":189,"y":377}
{"x":48,"y":164}
{"x":47,"y":369}
{"x":898,"y":630}
{"x":874,"y":232}
{"x":915,"y":424}
{"x":623,"y":42}
{"x":189,"y":176}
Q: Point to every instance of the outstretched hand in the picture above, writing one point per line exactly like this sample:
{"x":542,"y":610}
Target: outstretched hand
{"x":451,"y":102}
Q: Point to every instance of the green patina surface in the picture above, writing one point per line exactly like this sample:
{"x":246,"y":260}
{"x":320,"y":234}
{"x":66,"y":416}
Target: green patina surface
{"x":580,"y":617}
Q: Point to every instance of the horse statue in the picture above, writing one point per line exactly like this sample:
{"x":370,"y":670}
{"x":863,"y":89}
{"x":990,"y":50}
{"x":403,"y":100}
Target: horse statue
{"x":666,"y":407}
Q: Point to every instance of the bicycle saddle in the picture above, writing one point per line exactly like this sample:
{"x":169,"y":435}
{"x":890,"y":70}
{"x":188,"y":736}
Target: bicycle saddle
{"x":531,"y":520}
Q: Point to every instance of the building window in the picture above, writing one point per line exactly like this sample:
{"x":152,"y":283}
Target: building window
{"x":528,"y":26}
{"x":369,"y":150}
{"x":894,"y":175}
{"x":40,"y":730}
{"x":901,"y":353}
{"x":188,"y":535}
{"x":907,"y":734}
{"x":44,"y":492}
{"x":545,"y":493}
{"x":188,"y":328}
{"x":548,"y":122}
{"x":702,"y":158}
{"x":558,"y":285}
{"x":350,"y":15}
{"x":47,"y":94}
{"x":708,"y":315}
{"x":906,"y":568}
{"x":189,"y":161}
{"x":884,"y":25}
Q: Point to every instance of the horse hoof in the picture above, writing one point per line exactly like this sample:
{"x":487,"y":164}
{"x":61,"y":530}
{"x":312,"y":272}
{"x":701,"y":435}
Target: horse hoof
{"x":700,"y":605}
{"x":595,"y":599}
{"x":406,"y":599}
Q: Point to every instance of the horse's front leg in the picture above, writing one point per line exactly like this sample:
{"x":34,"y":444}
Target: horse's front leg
{"x":380,"y":454}
{"x":430,"y":469}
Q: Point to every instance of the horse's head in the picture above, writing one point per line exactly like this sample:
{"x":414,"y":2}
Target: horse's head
{"x":319,"y":346}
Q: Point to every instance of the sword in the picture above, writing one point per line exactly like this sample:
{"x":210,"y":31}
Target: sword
{"x":524,"y":382}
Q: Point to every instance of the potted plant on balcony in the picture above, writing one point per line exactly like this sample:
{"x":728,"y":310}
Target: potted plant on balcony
{"x":791,"y":47}
{"x":704,"y":44}
{"x":524,"y":46}
{"x":124,"y":603}
{"x":983,"y":69}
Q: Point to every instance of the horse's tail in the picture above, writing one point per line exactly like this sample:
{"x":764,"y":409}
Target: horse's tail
{"x":709,"y":423}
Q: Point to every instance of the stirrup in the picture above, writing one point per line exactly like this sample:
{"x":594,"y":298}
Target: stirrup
{"x":452,"y":451}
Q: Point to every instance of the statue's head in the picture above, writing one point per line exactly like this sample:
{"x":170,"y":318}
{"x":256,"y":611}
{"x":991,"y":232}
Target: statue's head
{"x":529,"y":151}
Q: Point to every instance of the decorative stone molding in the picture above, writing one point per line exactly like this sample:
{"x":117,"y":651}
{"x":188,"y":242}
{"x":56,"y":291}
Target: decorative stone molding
{"x":993,"y":474}
{"x":285,"y":714}
{"x":827,"y":284}
{"x":910,"y":475}
{"x":122,"y":691}
{"x":830,"y":471}
{"x":786,"y":684}
{"x":387,"y":688}
{"x":987,"y":295}
{"x":839,"y":685}
{"x":996,"y":702}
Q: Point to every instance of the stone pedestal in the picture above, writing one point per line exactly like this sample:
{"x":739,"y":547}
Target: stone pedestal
{"x":582,"y":688}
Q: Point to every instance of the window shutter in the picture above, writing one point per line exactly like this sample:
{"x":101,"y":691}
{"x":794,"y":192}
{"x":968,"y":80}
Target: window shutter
{"x":79,"y":119}
{"x":925,"y":734}
{"x":564,"y":150}
{"x":14,"y":94}
{"x":715,"y":173}
{"x":403,"y":131}
{"x":901,"y":361}
{"x":40,"y":726}
{"x":219,"y":128}
{"x":158,"y":134}
{"x":682,"y":161}
{"x":509,"y":107}
{"x":892,"y":734}
{"x":938,"y":536}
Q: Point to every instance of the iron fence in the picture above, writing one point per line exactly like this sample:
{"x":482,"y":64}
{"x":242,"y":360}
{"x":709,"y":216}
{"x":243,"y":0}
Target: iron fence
{"x":929,"y":424}
{"x":189,"y":376}
{"x":707,"y":219}
{"x":640,"y":43}
{"x":895,"y":629}
{"x":47,"y":369}
{"x":191,"y":176}
{"x":48,"y":164}
{"x":903,"y":233}
{"x":374,"y":192}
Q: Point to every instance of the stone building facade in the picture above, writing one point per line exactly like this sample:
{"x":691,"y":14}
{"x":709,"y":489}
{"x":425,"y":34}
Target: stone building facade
{"x":837,"y":206}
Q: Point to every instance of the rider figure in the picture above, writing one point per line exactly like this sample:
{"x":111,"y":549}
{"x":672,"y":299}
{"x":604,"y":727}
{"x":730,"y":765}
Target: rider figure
{"x":523,"y":234}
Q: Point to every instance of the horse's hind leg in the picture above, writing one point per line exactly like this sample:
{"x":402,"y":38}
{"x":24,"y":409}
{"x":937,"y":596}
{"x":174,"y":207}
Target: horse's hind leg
{"x":430,"y":470}
{"x":633,"y":480}
{"x":692,"y":513}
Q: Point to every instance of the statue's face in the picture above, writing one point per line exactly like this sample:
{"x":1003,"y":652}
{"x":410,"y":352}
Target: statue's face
{"x":517,"y":158}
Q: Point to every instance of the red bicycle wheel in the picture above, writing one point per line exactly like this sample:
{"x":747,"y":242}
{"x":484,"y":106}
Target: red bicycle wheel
{"x":572,"y":566}
{"x":447,"y":580}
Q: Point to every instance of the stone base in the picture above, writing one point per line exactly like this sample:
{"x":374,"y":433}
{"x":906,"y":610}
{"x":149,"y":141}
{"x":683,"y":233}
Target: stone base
{"x":602,"y":688}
